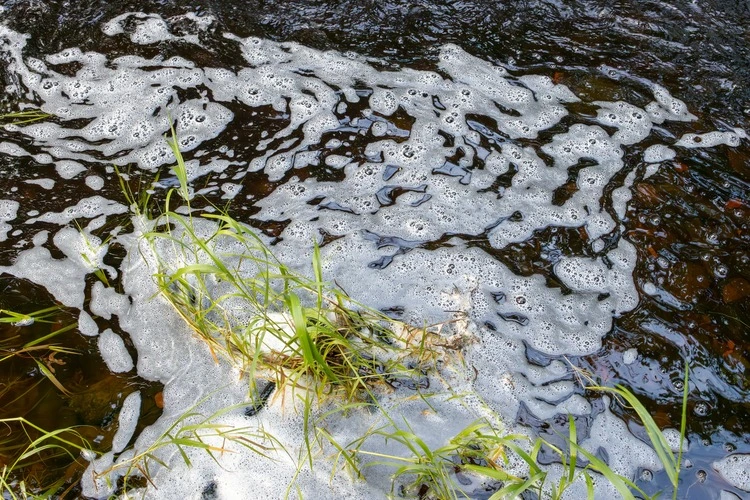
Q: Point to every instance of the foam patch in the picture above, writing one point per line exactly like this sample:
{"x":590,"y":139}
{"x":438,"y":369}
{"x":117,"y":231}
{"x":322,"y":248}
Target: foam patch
{"x":736,"y":470}
{"x":8,"y":212}
{"x":114,"y":352}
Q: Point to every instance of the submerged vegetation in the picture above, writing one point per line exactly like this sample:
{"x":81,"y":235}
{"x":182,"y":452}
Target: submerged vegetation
{"x":34,"y":460}
{"x":33,"y":449}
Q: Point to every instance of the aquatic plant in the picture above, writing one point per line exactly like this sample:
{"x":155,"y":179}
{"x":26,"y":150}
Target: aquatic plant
{"x":249,"y":306}
{"x":305,"y":334}
{"x":481,"y":450}
{"x":37,"y":446}
{"x":432,"y":473}
{"x":659,"y":443}
{"x":28,"y":452}
{"x":192,"y":430}
{"x":23,"y":117}
{"x":39,"y":348}
{"x":22,"y":319}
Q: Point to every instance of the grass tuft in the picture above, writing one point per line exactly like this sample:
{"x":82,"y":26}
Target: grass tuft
{"x":271,"y":321}
{"x":194,"y":430}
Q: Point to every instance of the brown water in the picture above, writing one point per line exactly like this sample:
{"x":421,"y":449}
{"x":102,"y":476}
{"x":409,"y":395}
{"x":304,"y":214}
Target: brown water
{"x":689,"y":222}
{"x":77,"y":391}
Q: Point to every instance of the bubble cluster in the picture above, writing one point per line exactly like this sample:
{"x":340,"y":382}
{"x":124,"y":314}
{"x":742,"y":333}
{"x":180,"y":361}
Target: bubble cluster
{"x":114,"y":353}
{"x":736,"y":470}
{"x":8,"y":212}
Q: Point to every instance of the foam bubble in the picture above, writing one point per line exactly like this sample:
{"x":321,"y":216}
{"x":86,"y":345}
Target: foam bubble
{"x":658,"y":153}
{"x":44,"y":183}
{"x":667,"y":107}
{"x":629,"y":356}
{"x":114,"y":352}
{"x":127,"y":420}
{"x":64,"y":278}
{"x":94,"y":182}
{"x":8,"y":212}
{"x":711,"y":139}
{"x":85,"y":208}
{"x":86,"y":325}
{"x":736,"y":470}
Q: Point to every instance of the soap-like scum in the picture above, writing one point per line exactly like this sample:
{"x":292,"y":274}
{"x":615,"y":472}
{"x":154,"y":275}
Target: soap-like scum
{"x":310,"y":87}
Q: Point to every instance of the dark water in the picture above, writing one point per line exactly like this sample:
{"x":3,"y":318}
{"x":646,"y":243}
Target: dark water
{"x":80,"y":393}
{"x":689,"y":222}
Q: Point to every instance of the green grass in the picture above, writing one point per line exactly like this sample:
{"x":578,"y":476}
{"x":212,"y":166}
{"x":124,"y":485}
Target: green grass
{"x":24,"y":117}
{"x":306,"y":335}
{"x":194,"y":430}
{"x":482,"y":450}
{"x":270,"y":320}
{"x":669,"y":461}
{"x":477,"y":449}
{"x":39,"y":348}
{"x":30,"y":456}
{"x":34,"y":446}
{"x":329,"y":352}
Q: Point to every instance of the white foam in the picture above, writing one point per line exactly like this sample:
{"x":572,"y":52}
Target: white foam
{"x":667,"y":107}
{"x":606,"y":432}
{"x":105,"y":301}
{"x":86,"y":325}
{"x":149,"y":29}
{"x":629,"y":356}
{"x":44,"y":183}
{"x":67,"y":169}
{"x":658,"y":153}
{"x":85,"y":208}
{"x":633,"y":122}
{"x":64,"y":278}
{"x":736,"y":470}
{"x":711,"y":139}
{"x":127,"y":421}
{"x":114,"y":352}
{"x":94,"y":182}
{"x":8,"y":212}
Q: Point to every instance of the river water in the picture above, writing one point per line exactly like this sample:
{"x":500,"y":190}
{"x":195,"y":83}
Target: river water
{"x":573,"y":176}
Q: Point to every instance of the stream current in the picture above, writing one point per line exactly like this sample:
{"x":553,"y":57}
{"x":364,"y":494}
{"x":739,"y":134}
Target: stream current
{"x":571,"y":179}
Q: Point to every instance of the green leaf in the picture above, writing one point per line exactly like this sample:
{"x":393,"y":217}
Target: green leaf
{"x":616,"y":480}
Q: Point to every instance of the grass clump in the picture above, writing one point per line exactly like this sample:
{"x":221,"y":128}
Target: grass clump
{"x":252,"y":308}
{"x":273,"y":322}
